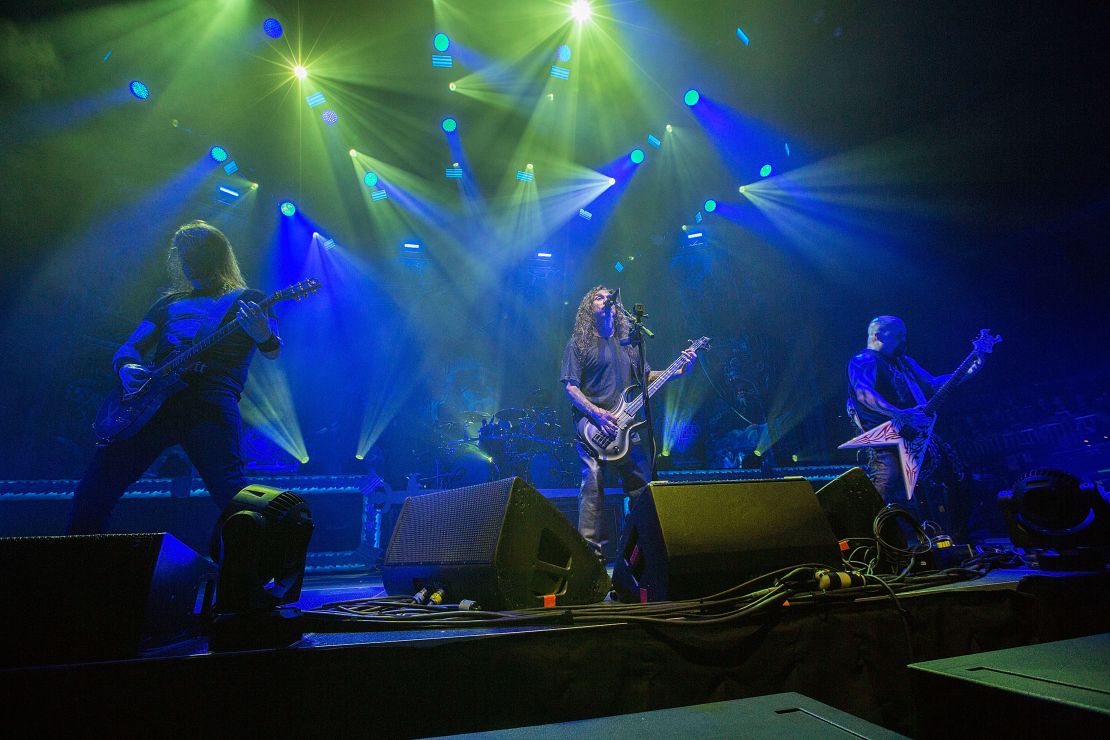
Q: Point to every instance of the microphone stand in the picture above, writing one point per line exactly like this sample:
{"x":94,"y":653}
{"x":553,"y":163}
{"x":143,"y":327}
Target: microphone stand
{"x":636,"y":339}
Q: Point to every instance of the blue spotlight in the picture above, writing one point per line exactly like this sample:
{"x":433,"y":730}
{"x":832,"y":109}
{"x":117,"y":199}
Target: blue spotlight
{"x":453,"y":173}
{"x":411,"y":245}
{"x":544,"y":255}
{"x":379,"y":195}
{"x":618,"y":266}
{"x":563,"y":54}
{"x":560,"y":73}
{"x":139,"y":90}
{"x":442,"y":60}
{"x":287,"y":208}
{"x":584,"y":214}
{"x":218,"y":153}
{"x":315,"y":99}
{"x":786,"y":145}
{"x":524,"y":176}
{"x":637,"y":156}
{"x":710,"y":205}
{"x":371,"y":179}
{"x":654,"y":141}
{"x":448,"y":125}
{"x":330,"y":117}
{"x":691,"y":97}
{"x":441,"y":42}
{"x":742,"y":36}
{"x":272,"y":27}
{"x":765,"y":170}
{"x":231,"y":168}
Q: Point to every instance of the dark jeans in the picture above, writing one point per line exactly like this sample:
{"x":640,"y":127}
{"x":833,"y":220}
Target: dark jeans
{"x":929,"y":502}
{"x":208,"y":428}
{"x":635,"y":471}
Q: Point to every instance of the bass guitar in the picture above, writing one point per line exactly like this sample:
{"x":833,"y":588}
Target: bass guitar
{"x":123,"y":414}
{"x":611,"y":447}
{"x":912,"y":442}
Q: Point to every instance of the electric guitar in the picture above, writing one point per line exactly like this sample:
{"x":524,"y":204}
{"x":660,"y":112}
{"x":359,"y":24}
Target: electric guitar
{"x":610,"y":447}
{"x":913,"y":442}
{"x":123,"y":414}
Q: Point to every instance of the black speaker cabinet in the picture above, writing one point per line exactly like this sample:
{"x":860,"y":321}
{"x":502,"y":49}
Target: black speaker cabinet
{"x":98,"y":597}
{"x":689,"y":540}
{"x":501,"y":544}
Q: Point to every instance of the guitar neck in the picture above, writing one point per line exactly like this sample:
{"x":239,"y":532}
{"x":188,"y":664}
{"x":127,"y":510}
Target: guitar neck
{"x":634,"y":407}
{"x":948,"y":385}
{"x":186,"y":358}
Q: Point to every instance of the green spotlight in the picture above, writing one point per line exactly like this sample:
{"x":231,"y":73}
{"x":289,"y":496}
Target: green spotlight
{"x":580,"y":10}
{"x":441,"y":42}
{"x":300,"y":72}
{"x":691,"y":97}
{"x":710,"y":206}
{"x":765,"y":170}
{"x":637,"y":156}
{"x":287,"y":208}
{"x":449,"y":124}
{"x":371,"y":179}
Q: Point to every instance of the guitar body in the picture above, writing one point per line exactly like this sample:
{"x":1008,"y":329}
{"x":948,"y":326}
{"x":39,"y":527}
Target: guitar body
{"x":122,"y":415}
{"x":911,"y":450}
{"x":606,"y":447}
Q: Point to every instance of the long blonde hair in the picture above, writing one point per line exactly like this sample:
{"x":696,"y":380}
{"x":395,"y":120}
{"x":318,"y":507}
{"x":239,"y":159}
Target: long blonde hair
{"x":200,"y":251}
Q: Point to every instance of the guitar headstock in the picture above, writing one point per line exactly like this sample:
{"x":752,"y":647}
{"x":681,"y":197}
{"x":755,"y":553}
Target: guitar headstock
{"x":696,"y":344}
{"x":984,"y":343}
{"x":296,"y":291}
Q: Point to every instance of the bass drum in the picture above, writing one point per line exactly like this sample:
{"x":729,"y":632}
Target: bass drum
{"x":465,"y":465}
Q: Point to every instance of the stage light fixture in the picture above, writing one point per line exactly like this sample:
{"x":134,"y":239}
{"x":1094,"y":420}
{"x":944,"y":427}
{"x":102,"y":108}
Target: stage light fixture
{"x":442,"y":60}
{"x":300,"y":72}
{"x":584,"y":214}
{"x":786,"y":146}
{"x":452,"y":86}
{"x":709,"y":206}
{"x":670,"y":128}
{"x":287,"y":208}
{"x":441,"y":42}
{"x":453,"y":173}
{"x":525,"y":176}
{"x":742,"y":36}
{"x":691,"y":97}
{"x":636,"y":155}
{"x":1066,"y":520}
{"x":352,"y":152}
{"x":315,"y":99}
{"x":261,"y":547}
{"x":449,"y":125}
{"x":272,"y":27}
{"x":330,"y":117}
{"x":618,"y":266}
{"x":612,"y":181}
{"x":371,"y":179}
{"x":765,"y":170}
{"x":654,"y":141}
{"x":563,"y":53}
{"x":560,"y":73}
{"x":218,"y":154}
{"x":231,"y":168}
{"x":139,"y":90}
{"x":544,"y":255}
{"x":379,"y":195}
{"x":228,"y":191}
{"x":580,"y":10}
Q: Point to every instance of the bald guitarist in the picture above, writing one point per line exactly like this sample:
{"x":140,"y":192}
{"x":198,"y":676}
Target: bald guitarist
{"x":891,"y":401}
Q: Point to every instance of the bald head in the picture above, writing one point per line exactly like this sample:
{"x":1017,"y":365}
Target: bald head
{"x":887,"y":334}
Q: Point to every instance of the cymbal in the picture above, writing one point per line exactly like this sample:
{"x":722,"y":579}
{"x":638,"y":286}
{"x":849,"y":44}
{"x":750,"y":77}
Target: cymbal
{"x":474,"y":417}
{"x":511,"y":414}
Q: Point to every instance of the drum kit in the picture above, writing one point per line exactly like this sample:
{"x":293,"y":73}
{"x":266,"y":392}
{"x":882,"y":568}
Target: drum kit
{"x":526,"y":442}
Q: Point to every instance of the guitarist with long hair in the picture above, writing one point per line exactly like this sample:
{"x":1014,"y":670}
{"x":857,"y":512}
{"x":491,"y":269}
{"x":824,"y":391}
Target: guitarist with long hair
{"x":596,"y":370}
{"x":207,"y":290}
{"x":886,"y":384}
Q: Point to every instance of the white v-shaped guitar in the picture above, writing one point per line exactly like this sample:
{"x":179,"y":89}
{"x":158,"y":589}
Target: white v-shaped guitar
{"x":912,"y":447}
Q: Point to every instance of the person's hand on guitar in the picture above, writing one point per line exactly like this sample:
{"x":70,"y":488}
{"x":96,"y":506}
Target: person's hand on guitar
{"x":911,"y":421}
{"x":605,"y":421}
{"x":691,"y":356}
{"x":254,"y":321}
{"x":133,"y":377}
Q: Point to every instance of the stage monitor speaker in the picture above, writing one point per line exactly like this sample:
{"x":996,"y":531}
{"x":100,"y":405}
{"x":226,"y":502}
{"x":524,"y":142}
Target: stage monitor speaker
{"x":501,"y":544}
{"x":98,"y":597}
{"x":851,"y":502}
{"x":690,"y":540}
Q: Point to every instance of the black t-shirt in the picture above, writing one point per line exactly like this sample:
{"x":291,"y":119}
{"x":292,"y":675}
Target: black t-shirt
{"x":602,"y":372}
{"x":891,"y":378}
{"x":180,"y":316}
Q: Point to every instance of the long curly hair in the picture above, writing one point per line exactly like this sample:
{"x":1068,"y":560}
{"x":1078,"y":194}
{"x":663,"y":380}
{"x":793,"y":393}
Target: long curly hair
{"x":585,"y":332}
{"x":200,"y":251}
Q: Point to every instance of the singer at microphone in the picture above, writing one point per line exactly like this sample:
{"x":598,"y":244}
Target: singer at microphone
{"x":614,"y":297}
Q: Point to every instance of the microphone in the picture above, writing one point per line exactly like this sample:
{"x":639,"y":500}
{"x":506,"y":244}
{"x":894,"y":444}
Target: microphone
{"x":614,"y":297}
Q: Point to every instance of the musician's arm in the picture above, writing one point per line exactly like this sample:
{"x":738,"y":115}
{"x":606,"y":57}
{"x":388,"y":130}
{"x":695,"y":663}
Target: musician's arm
{"x":583,"y":404}
{"x":132,"y":350}
{"x":861,"y":378}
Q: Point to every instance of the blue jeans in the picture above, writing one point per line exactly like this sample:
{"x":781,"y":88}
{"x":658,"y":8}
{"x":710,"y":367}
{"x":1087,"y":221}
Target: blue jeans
{"x":208,"y":428}
{"x":635,"y":471}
